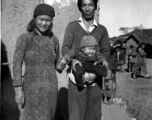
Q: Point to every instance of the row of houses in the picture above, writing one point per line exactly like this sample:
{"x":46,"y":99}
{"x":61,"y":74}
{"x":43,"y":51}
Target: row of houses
{"x":136,"y":37}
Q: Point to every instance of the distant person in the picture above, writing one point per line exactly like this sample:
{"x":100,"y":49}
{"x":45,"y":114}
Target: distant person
{"x":39,"y":50}
{"x":122,"y":58}
{"x":110,"y":84}
{"x":140,"y":63}
{"x":120,"y":55}
{"x":131,"y":58}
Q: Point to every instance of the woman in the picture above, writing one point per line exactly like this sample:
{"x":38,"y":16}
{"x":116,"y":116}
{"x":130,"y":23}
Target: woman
{"x":140,"y":63}
{"x":39,"y":49}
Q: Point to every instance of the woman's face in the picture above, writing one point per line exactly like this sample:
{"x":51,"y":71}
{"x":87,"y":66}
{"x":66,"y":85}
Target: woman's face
{"x":43,"y":23}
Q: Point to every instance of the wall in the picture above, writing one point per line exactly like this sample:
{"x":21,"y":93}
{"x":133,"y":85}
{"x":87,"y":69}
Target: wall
{"x":15,"y":16}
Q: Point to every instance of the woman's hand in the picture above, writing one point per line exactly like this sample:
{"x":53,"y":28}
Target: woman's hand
{"x":74,"y":62}
{"x":19,"y":95}
{"x":61,"y":64}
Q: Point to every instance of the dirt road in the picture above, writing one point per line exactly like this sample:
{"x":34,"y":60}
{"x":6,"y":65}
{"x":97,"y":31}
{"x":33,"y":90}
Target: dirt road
{"x":114,"y":112}
{"x":138,"y":94}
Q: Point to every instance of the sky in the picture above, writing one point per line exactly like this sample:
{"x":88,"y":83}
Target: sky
{"x":115,"y":14}
{"x":63,"y":2}
{"x":125,"y":13}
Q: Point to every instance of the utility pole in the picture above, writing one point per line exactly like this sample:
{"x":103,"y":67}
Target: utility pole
{"x":141,"y":32}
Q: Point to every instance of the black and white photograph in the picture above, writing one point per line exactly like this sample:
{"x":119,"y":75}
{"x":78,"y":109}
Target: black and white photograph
{"x":76,"y":60}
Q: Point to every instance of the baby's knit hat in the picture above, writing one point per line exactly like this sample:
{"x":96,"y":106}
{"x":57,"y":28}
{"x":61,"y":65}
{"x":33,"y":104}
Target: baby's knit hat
{"x":88,"y":40}
{"x":44,"y":9}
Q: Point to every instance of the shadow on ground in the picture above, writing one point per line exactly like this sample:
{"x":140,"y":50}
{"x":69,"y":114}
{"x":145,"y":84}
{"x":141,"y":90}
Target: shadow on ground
{"x":9,"y":108}
{"x":62,"y":105}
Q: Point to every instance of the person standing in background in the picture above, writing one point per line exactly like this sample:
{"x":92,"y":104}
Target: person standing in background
{"x":110,"y":84}
{"x":140,"y":64}
{"x":131,"y":58}
{"x":123,"y":57}
{"x":39,"y":50}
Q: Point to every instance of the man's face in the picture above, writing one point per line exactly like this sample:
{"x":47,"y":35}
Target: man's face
{"x":88,"y":9}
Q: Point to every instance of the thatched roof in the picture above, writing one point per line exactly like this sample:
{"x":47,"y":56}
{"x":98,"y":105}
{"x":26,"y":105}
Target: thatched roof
{"x":139,"y":35}
{"x":119,"y":38}
{"x":142,"y":35}
{"x":135,"y":38}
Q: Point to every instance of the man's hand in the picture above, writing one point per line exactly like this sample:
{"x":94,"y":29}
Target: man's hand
{"x":74,"y":62}
{"x":105,"y":63}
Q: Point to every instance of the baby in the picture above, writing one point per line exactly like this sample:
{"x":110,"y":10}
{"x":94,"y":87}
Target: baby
{"x":90,"y":60}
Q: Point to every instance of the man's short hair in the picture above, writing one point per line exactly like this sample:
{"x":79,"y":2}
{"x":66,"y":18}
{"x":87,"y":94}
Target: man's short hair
{"x":80,"y":1}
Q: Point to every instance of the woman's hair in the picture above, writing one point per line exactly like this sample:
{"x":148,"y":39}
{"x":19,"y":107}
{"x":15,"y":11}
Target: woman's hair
{"x":31,"y":26}
{"x":79,"y":2}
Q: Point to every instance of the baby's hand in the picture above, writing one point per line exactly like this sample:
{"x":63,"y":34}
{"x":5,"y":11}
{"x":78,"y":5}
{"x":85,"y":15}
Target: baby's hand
{"x":74,"y":62}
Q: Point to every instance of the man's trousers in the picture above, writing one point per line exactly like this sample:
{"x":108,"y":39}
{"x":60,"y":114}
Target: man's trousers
{"x":85,"y":103}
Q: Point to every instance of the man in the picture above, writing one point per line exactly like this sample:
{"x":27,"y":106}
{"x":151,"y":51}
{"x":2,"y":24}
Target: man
{"x":85,"y":103}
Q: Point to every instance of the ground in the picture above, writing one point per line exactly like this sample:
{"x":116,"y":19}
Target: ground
{"x":136,"y":94}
